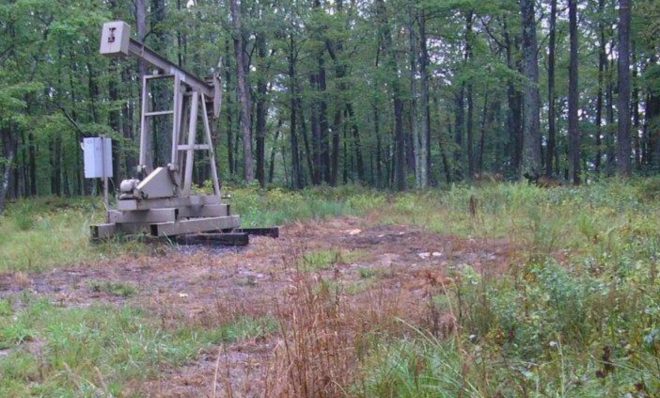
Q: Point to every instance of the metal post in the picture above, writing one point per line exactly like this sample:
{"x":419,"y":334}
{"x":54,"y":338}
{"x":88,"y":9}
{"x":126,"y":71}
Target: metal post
{"x":144,"y":130}
{"x":192,"y":132}
{"x":105,"y":179}
{"x":207,"y":130}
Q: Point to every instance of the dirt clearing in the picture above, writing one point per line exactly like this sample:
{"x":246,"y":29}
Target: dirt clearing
{"x":361,"y":261}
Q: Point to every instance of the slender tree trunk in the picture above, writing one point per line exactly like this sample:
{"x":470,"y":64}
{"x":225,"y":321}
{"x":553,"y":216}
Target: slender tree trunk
{"x":602,"y":63}
{"x":623,"y":144}
{"x":323,"y":122}
{"x":573,"y":128}
{"x":414,"y":115}
{"x":357,"y":143}
{"x":399,"y":151}
{"x":303,"y":133}
{"x":296,"y":171}
{"x":229,"y":112}
{"x":514,"y":116}
{"x":426,"y":106}
{"x":243,"y":91}
{"x":551,"y":89}
{"x":470,"y":100}
{"x":609,"y":99}
{"x":488,"y":116}
{"x":262,"y":109}
{"x":379,"y":160}
{"x":316,"y":166}
{"x":459,"y":104}
{"x":637,"y":145}
{"x":531,"y":100}
{"x":442,"y":144}
{"x":271,"y":166}
{"x":653,"y":130}
{"x":9,"y":152}
{"x":334,"y":165}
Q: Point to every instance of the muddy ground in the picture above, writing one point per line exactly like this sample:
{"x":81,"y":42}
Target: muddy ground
{"x":211,"y":286}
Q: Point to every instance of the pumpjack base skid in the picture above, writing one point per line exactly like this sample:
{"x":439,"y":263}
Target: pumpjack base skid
{"x":167,"y":217}
{"x":236,"y":237}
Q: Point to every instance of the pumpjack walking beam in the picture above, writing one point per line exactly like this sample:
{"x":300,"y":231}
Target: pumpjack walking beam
{"x":162,"y":203}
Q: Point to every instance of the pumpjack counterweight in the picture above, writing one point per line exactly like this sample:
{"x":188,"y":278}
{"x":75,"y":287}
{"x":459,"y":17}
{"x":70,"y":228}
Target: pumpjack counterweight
{"x":162,"y":203}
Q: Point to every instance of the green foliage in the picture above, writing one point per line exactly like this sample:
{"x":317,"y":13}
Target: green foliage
{"x":114,"y":288}
{"x":580,"y":321}
{"x":277,"y":206}
{"x":46,"y":232}
{"x":324,"y":259}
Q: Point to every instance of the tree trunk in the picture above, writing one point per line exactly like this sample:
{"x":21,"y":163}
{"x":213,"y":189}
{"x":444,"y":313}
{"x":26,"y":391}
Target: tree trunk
{"x":296,"y":171}
{"x":357,"y":143}
{"x":426,"y":106}
{"x":399,"y":150}
{"x":531,"y":100}
{"x":470,"y":100}
{"x":262,"y":109}
{"x":271,"y":166}
{"x":609,"y":99}
{"x":243,"y":91}
{"x":653,"y":130}
{"x":623,"y":136}
{"x":228,"y":111}
{"x":414,"y":115}
{"x":573,"y":128}
{"x":459,"y":105}
{"x":316,"y":166}
{"x":551,"y":89}
{"x":514,"y":116}
{"x":9,"y":152}
{"x":602,"y":63}
{"x":637,"y":145}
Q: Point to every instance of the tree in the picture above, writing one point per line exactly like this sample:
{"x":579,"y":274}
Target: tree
{"x":243,"y":91}
{"x":386,"y":42}
{"x":623,"y":163}
{"x":573,"y":128}
{"x":531,"y":99}
{"x":550,"y":151}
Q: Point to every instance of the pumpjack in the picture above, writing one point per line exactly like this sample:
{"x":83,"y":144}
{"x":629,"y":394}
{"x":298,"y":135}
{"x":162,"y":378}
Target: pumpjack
{"x":163,"y":203}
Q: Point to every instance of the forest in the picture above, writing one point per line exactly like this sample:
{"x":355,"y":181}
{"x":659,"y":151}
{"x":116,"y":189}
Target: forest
{"x":467,"y":196}
{"x":397,"y":94}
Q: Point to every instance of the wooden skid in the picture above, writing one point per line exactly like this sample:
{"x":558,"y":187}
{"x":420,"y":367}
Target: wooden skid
{"x":142,"y":216}
{"x":212,"y":239}
{"x":212,"y":210}
{"x":134,"y":204}
{"x":168,"y":228}
{"x":103,"y":231}
{"x":194,"y":225}
{"x":272,"y":232}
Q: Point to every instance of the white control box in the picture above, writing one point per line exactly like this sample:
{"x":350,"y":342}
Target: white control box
{"x":98,"y":157}
{"x":114,"y":38}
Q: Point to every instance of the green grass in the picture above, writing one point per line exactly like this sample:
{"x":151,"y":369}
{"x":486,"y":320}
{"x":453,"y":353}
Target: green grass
{"x":114,"y":288}
{"x":325,"y":259}
{"x":588,"y":326}
{"x":95,"y":351}
{"x":39,"y":234}
{"x":43,"y":233}
{"x":278,"y":206}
